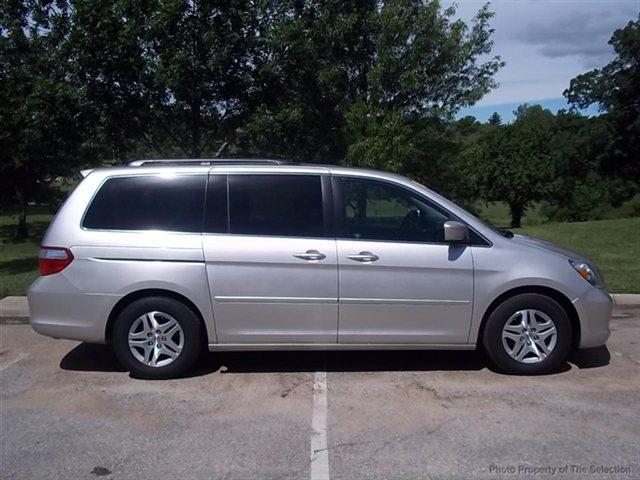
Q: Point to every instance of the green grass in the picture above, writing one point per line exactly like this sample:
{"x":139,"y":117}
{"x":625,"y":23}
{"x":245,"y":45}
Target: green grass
{"x":497,"y":213}
{"x":19,"y":259}
{"x":613,"y":245}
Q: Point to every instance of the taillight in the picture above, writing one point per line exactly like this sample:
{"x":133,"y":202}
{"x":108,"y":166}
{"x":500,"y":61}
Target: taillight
{"x":54,"y":259}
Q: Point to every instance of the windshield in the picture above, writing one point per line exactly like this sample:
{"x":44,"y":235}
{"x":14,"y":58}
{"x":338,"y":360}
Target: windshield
{"x":500,"y":231}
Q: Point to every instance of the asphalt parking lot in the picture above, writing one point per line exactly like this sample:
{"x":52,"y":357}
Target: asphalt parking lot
{"x":69,"y":411}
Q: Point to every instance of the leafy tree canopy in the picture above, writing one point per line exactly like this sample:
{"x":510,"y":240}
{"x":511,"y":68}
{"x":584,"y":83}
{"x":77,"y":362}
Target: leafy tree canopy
{"x":495,"y":119}
{"x":44,"y":130}
{"x":355,"y":78}
{"x":518,"y":163}
{"x":616,"y":90}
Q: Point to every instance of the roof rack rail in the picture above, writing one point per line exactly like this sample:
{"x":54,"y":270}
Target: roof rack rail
{"x":207,"y":161}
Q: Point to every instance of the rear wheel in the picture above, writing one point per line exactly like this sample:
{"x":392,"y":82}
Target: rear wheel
{"x":157,"y":337}
{"x":527,"y":334}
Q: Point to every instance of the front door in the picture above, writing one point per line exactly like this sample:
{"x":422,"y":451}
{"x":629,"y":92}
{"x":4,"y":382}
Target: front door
{"x":272,"y":266}
{"x":399,"y":281}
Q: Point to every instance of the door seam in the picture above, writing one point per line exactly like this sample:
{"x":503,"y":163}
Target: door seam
{"x":335,"y":245}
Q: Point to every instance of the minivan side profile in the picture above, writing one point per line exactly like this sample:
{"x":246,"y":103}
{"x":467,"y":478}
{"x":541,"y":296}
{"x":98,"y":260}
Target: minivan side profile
{"x":162,"y":259}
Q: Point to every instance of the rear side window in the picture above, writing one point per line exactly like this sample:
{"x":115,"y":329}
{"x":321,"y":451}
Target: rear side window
{"x":173,"y":203}
{"x":288,"y":205}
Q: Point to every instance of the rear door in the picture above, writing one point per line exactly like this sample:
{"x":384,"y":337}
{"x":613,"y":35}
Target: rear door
{"x":271,"y":262}
{"x":399,"y":281}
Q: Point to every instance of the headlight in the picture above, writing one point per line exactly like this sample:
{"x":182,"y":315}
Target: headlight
{"x":586,"y":272}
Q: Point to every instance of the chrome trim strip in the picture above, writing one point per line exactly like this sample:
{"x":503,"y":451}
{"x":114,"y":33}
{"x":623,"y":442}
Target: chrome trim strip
{"x":231,"y":347}
{"x":346,"y":301}
{"x":401,"y":301}
{"x":105,"y":259}
{"x":251,"y":299}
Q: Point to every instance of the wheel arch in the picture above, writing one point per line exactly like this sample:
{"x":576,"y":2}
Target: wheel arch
{"x":149,"y":292}
{"x":552,"y":293}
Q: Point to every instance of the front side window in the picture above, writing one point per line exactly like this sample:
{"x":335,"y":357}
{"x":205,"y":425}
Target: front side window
{"x":380,"y":211}
{"x":149,"y":202}
{"x":287,"y":205}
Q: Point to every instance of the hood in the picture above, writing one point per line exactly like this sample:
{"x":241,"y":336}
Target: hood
{"x":548,"y":246}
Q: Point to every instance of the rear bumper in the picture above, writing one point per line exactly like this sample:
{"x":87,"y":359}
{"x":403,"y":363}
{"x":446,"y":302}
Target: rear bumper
{"x":594,"y":310}
{"x":57,"y":309}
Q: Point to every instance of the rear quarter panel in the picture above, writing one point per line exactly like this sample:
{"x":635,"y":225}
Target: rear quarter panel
{"x":109,"y":265}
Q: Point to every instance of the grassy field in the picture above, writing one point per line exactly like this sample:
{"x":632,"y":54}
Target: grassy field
{"x":613,"y":245}
{"x":497,"y":213}
{"x":18,"y":260}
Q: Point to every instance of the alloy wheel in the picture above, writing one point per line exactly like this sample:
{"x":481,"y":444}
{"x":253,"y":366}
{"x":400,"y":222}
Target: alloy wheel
{"x":156,"y":339}
{"x":529,"y":336}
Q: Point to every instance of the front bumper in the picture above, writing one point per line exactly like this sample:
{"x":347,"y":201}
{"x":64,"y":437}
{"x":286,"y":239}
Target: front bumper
{"x":594,"y":311}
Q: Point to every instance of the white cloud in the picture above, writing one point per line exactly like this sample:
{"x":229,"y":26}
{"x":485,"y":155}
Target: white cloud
{"x":547,"y":43}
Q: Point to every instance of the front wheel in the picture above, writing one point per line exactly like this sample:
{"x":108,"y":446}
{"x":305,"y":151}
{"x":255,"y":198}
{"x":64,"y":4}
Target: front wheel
{"x":157,"y":337}
{"x":527,"y":334}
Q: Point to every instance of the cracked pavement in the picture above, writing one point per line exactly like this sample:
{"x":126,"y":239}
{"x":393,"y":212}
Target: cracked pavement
{"x":69,"y":411}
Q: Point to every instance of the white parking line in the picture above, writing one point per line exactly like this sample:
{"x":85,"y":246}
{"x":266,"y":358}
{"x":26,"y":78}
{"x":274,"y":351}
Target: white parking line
{"x":319,"y":452}
{"x":11,"y":362}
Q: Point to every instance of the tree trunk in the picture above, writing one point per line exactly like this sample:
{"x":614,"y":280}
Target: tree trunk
{"x":517,"y":211}
{"x":195,"y":150}
{"x":23,"y":229}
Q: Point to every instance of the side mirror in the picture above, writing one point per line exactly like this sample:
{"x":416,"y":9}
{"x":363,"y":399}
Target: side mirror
{"x":455,"y":232}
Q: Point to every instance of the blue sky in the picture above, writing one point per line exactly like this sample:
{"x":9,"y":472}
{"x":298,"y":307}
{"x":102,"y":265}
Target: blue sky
{"x":545,"y":44}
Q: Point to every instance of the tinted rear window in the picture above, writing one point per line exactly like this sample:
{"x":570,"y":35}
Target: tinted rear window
{"x":276,"y":205}
{"x":173,"y":203}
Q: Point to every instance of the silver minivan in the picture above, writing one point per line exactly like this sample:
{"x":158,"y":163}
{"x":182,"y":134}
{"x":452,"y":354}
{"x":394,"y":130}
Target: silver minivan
{"x":162,"y":259}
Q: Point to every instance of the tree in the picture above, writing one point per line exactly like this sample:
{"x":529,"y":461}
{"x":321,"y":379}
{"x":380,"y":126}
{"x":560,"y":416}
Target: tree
{"x":357,"y":80}
{"x":43,"y":122}
{"x":582,"y":192}
{"x":108,"y":63}
{"x":616,"y":89}
{"x":316,"y":58}
{"x":518,"y":163}
{"x":173,"y":75}
{"x":371,"y":83}
{"x":495,"y":119}
{"x":203,"y":59}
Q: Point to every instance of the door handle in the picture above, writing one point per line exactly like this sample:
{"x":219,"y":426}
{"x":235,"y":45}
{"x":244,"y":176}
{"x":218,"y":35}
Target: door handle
{"x":364,"y":257}
{"x":310,"y":255}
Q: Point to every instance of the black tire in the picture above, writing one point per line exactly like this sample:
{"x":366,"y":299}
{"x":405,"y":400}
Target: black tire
{"x":492,"y":334}
{"x":189,"y":322}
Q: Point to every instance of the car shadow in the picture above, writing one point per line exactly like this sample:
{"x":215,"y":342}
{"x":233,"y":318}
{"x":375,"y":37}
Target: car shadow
{"x":100,"y":358}
{"x":19,"y":265}
{"x":89,"y":357}
{"x":591,"y":357}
